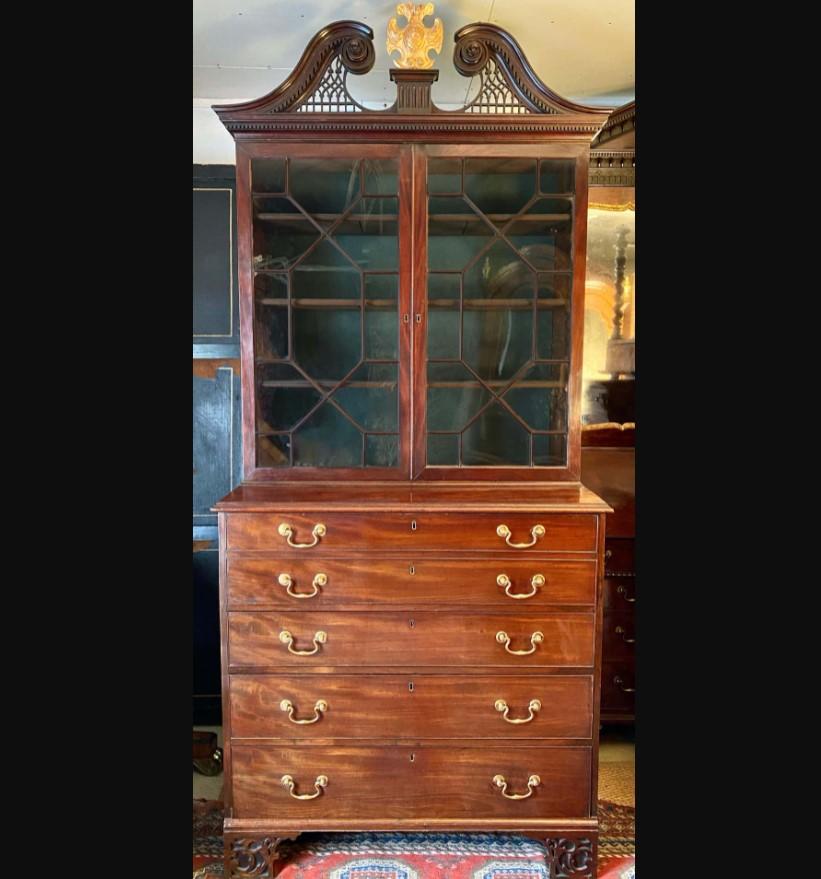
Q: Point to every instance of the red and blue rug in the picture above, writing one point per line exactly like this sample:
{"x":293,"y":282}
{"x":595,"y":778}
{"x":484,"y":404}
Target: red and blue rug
{"x":419,"y":855}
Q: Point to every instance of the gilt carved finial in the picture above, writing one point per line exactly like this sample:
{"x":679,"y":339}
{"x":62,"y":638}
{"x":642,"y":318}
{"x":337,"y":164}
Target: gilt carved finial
{"x":415,"y":39}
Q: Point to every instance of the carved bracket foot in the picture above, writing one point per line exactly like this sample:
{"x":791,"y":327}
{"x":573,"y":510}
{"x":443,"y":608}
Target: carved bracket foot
{"x":571,"y":858}
{"x":247,"y":855}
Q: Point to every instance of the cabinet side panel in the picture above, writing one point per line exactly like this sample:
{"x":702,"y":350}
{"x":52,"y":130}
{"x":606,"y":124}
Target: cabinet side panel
{"x":246,"y":311}
{"x":226,"y":683}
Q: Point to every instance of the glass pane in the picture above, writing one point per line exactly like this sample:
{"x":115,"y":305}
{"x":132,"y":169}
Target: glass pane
{"x":326,"y":273}
{"x":500,"y":277}
{"x":454,"y":396}
{"x":554,"y":287}
{"x":271,"y":306}
{"x":539,"y":397}
{"x":326,"y":300}
{"x":382,"y":451}
{"x":268,"y":175}
{"x":443,"y":449}
{"x":271,"y":337}
{"x":284,"y":397}
{"x":550,"y":450}
{"x":369,"y":234}
{"x":557,"y":175}
{"x":327,"y":341}
{"x":381,"y":334}
{"x":495,"y":439}
{"x":324,"y":187}
{"x":444,"y":286}
{"x":327,"y":439}
{"x":274,"y":451}
{"x":282,"y":233}
{"x":457,"y":235}
{"x":380,"y":177}
{"x":381,"y":317}
{"x":443,"y":331}
{"x":543,"y":234}
{"x":497,"y":342}
{"x":370,"y":397}
{"x":500,"y":186}
{"x":445,"y":176}
{"x":553,"y":332}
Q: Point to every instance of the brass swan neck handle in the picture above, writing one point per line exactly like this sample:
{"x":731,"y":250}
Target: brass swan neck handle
{"x":287,"y":531}
{"x":533,"y":708}
{"x":287,"y":581}
{"x":320,"y":707}
{"x":536,"y":533}
{"x":532,"y":783}
{"x":287,"y":638}
{"x":536,"y":581}
{"x":535,"y":639}
{"x":320,"y":784}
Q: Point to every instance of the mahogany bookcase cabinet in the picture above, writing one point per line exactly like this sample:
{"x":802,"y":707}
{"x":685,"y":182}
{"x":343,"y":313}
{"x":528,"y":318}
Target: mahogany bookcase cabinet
{"x":410,"y":573}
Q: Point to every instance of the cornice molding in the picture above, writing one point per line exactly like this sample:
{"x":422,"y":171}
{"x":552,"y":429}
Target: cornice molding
{"x":526,"y":106}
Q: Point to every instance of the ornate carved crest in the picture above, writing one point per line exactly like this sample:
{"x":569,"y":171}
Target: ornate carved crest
{"x":315,"y":97}
{"x":508,"y":83}
{"x":415,"y":39}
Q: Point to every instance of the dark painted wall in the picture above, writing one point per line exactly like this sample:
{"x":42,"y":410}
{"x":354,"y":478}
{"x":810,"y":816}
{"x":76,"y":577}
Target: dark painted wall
{"x":216,"y":445}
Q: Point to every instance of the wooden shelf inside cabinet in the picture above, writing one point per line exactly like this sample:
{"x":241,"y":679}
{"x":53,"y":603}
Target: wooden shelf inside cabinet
{"x":439,"y":218}
{"x":468,"y":304}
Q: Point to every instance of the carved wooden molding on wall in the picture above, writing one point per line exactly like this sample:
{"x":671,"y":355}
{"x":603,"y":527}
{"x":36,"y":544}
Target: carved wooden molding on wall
{"x":315,"y":95}
{"x":621,"y":121}
{"x":612,"y":168}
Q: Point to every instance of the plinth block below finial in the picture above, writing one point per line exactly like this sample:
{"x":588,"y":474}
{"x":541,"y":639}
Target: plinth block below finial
{"x":413,"y":89}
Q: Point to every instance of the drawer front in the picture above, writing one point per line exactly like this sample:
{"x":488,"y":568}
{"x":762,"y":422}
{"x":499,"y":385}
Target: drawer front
{"x":408,"y":706}
{"x":618,"y":683}
{"x":396,"y":532}
{"x":406,"y":782}
{"x":619,"y":635}
{"x":619,"y":556}
{"x":619,"y":593}
{"x":408,"y":639}
{"x":297,"y":583}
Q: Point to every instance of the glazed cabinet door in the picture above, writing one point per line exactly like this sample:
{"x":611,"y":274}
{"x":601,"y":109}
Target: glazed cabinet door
{"x":498,"y":292}
{"x":324,"y":256}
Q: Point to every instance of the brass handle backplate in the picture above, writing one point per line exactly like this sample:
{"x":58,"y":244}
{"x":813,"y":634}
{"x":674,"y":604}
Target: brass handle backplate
{"x":287,"y":531}
{"x":287,"y":638}
{"x":287,"y":581}
{"x":289,"y":784}
{"x":621,"y":590}
{"x":534,"y":707}
{"x":536,"y":581}
{"x":535,"y":639}
{"x":620,"y":684}
{"x":532,"y":783}
{"x":620,"y":631}
{"x":536,"y":532}
{"x":319,"y":708}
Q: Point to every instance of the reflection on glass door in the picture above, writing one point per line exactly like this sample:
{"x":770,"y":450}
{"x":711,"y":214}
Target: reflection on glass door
{"x":326,"y":324}
{"x":500,"y":277}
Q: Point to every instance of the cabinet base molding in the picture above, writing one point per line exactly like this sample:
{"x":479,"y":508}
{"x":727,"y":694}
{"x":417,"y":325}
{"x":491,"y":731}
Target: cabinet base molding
{"x":570,"y":849}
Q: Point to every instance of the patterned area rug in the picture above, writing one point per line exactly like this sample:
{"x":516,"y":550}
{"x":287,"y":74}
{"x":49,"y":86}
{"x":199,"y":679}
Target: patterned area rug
{"x":418,"y":856}
{"x":617,"y":782}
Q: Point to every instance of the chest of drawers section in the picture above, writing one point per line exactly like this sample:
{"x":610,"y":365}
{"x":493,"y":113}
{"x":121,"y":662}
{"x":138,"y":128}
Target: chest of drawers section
{"x":411,"y":670}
